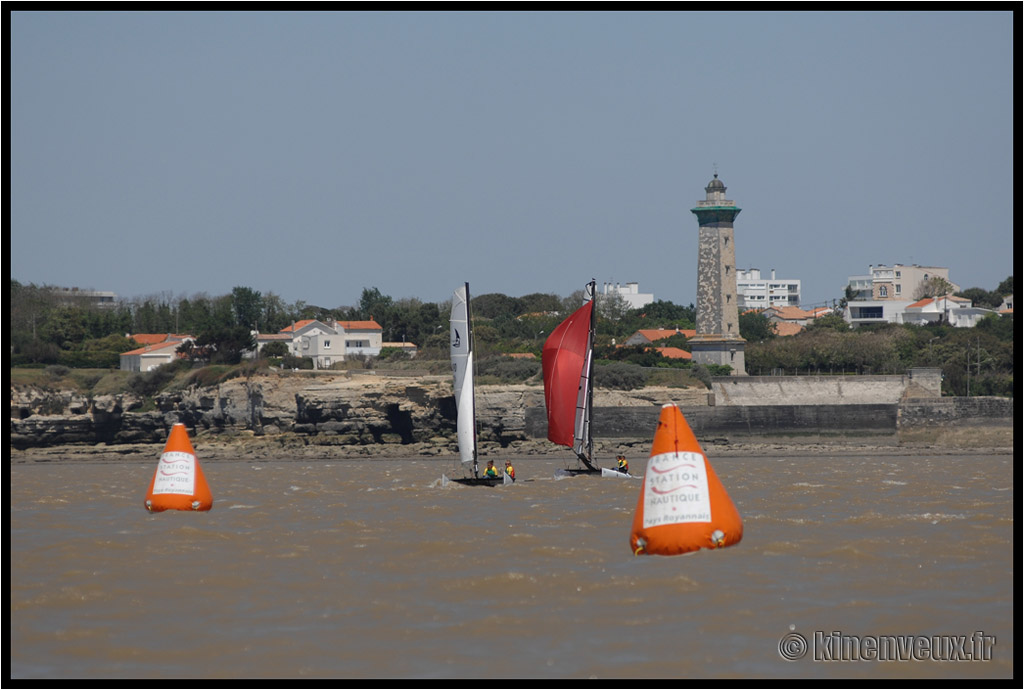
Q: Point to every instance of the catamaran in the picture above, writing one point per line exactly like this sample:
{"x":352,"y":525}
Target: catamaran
{"x":568,"y":363}
{"x":465,"y":400}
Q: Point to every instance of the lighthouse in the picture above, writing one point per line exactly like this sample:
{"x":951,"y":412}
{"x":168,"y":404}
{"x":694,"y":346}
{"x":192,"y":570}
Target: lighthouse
{"x":718,"y":338}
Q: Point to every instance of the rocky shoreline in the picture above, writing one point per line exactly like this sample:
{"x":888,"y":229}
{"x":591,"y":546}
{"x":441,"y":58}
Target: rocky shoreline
{"x":349,"y":414}
{"x":338,"y":415}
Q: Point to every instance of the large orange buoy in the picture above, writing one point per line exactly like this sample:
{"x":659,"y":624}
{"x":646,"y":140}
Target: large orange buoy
{"x":683,"y":506}
{"x":179,"y":482}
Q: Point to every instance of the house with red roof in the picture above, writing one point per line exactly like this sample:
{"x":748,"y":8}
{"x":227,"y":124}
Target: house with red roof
{"x":157,"y":349}
{"x":149,"y":357}
{"x":649,"y":336}
{"x":958,"y":312}
{"x":330,"y":341}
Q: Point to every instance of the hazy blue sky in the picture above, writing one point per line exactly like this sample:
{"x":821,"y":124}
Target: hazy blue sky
{"x":314,"y":154}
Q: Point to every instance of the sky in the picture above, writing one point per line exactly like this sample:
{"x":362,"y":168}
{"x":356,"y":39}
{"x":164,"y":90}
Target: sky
{"x":314,"y":154}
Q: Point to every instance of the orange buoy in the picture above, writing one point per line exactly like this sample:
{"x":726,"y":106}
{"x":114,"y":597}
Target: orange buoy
{"x":179,"y":482}
{"x":683,"y":506}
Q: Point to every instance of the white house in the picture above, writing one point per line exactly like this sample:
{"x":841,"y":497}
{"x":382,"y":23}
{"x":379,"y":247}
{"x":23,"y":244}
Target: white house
{"x":157,"y":349}
{"x":264,"y":339}
{"x":956,"y":311}
{"x":150,"y":357}
{"x":327,"y":342}
{"x":864,"y":312}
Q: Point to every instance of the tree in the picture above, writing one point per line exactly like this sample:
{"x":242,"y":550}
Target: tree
{"x":540,"y":302}
{"x":374,"y":305}
{"x":493,"y":305}
{"x":666,"y":314}
{"x":225,"y":344}
{"x":832,"y":321}
{"x":247,"y":305}
{"x":274,"y":349}
{"x":755,"y":326}
{"x":936,"y":286}
{"x":612,"y":306}
{"x":275,"y":314}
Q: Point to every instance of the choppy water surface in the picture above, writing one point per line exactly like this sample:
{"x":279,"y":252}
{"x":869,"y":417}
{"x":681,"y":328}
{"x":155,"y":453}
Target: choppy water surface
{"x":373,"y":569}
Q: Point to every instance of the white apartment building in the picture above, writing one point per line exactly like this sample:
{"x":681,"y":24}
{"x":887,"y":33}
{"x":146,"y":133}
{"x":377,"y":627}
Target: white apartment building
{"x":755,"y":292}
{"x":896,"y":282}
{"x":630,"y":294}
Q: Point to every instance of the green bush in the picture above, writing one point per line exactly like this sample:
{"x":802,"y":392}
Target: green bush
{"x":619,"y":376}
{"x":89,"y":359}
{"x":293,"y":362}
{"x":701,"y":373}
{"x":508,"y":370}
{"x":149,"y":383}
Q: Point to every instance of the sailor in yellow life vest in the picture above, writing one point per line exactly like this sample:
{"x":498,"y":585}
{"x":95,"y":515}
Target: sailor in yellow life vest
{"x":491,"y":472}
{"x":623,"y":465}
{"x":509,"y":470}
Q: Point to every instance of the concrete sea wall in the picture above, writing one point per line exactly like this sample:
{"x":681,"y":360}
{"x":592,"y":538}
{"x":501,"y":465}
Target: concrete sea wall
{"x":825,"y":390}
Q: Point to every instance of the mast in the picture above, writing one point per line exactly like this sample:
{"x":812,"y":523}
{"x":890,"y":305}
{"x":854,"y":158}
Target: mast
{"x":584,"y":445}
{"x":470,"y":372}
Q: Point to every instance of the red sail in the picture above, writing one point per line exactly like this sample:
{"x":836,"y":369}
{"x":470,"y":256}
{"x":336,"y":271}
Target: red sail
{"x":563,"y":358}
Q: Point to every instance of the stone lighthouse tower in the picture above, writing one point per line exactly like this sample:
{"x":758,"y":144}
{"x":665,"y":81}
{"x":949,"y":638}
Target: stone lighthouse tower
{"x":718,"y":338}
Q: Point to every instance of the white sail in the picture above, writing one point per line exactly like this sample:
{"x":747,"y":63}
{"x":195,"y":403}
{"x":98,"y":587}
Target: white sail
{"x":462,"y":370}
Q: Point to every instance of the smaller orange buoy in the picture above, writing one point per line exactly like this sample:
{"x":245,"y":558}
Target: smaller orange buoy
{"x":682,"y":506}
{"x":179,"y":482}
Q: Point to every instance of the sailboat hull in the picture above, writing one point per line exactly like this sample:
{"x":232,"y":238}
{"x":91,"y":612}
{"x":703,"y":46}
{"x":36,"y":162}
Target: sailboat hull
{"x":581,"y":470}
{"x":479,"y":481}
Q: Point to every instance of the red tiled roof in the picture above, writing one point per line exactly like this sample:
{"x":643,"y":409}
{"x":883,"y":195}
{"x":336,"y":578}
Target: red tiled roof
{"x":787,"y":328}
{"x":790,"y":313}
{"x":153,"y":348}
{"x":653,"y":334}
{"x":674,"y":353}
{"x":154,"y":338}
{"x":297,"y":325}
{"x":370,"y":325}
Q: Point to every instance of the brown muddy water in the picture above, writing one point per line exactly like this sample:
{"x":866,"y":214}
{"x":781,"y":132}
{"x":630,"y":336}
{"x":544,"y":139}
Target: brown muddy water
{"x":373,"y":569}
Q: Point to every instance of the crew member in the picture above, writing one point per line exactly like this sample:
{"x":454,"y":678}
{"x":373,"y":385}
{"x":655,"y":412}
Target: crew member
{"x":491,"y":472}
{"x":509,"y":470}
{"x":623,"y":465}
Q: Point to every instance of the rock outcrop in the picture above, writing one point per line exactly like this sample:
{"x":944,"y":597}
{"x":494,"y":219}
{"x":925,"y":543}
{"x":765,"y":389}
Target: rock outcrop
{"x":329,"y":408}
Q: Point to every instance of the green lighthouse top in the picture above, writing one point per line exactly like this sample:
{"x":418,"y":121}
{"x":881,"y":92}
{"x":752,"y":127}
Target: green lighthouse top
{"x":715,"y":203}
